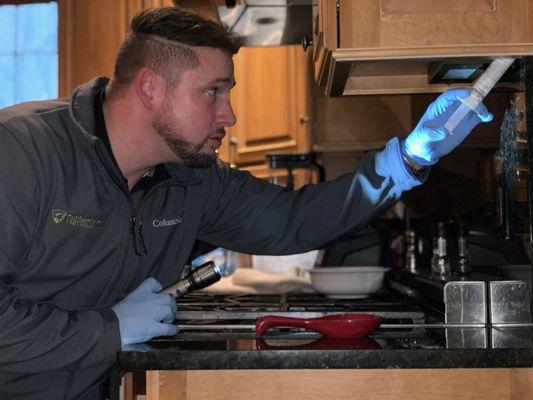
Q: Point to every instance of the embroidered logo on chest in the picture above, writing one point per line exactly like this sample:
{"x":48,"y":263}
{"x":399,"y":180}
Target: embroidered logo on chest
{"x":162,"y":223}
{"x":64,"y":217}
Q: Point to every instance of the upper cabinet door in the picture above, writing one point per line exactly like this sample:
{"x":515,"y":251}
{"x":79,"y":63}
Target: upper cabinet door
{"x":400,"y":23}
{"x":395,"y":46}
{"x":271,"y":103}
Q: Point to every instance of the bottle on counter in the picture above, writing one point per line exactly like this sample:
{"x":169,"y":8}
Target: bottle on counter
{"x":441,"y":269}
{"x":434,"y":254}
{"x":424,"y":252}
{"x":410,"y":263}
{"x":463,"y":259}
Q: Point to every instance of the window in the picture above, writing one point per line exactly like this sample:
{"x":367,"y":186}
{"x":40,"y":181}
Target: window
{"x":28,"y":52}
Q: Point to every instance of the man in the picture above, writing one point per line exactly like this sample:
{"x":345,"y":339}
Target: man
{"x":103,"y":197}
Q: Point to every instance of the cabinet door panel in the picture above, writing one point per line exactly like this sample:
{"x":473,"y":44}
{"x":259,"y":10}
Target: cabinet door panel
{"x":269,"y":101}
{"x":395,"y":23}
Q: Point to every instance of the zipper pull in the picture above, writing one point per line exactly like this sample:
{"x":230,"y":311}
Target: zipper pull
{"x":133,"y":235}
{"x":140,"y":230}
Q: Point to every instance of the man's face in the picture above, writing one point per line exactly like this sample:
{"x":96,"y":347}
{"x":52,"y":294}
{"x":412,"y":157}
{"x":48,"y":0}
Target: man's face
{"x":195,"y":112}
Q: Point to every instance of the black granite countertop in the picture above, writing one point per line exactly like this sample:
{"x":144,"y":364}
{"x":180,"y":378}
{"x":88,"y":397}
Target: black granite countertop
{"x":415,"y":346}
{"x":418,"y":349}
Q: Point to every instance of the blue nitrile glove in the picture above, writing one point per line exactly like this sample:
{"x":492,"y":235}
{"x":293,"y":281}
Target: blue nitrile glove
{"x":145,"y":313}
{"x":429,"y":141}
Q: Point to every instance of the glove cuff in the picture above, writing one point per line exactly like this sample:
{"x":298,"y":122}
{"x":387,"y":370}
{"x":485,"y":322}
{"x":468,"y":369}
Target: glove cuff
{"x":412,"y":165}
{"x":389,"y":163}
{"x":414,"y":160}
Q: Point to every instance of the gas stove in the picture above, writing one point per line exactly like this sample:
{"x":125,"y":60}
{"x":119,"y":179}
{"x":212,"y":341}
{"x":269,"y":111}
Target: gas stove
{"x":205,"y":308}
{"x":210,"y":321}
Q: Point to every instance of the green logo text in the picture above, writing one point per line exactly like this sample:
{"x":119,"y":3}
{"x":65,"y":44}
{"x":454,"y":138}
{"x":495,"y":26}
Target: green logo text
{"x":63,"y":217}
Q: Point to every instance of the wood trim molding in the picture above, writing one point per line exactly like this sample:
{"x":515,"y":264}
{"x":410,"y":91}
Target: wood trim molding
{"x":64,"y":51}
{"x":432,"y":52}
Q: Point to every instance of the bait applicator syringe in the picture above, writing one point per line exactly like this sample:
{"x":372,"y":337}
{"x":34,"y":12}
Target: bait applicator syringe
{"x":482,"y":86}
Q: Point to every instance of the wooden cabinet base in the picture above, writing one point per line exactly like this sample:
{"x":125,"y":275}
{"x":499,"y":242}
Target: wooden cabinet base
{"x":400,"y":384}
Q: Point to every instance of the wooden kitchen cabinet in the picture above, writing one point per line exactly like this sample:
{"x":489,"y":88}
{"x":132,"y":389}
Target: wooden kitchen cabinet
{"x":90,"y":34}
{"x":271,"y":102}
{"x":393,"y":46}
{"x":339,"y":384}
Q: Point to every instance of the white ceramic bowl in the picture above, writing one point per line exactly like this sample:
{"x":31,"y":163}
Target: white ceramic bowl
{"x":347,"y":282}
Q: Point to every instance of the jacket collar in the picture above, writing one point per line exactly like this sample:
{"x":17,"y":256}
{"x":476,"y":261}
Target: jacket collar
{"x":82,"y":105}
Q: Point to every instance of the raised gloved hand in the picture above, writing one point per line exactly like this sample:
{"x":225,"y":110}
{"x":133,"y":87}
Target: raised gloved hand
{"x":145,"y":313}
{"x":429,"y":141}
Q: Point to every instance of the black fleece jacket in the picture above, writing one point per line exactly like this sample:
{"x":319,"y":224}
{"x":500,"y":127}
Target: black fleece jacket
{"x":70,"y":247}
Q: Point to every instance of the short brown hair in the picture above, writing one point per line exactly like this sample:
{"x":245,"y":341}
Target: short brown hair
{"x":161,"y":38}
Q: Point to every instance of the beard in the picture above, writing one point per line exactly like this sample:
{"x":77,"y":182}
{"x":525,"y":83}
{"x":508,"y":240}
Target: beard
{"x":189,"y":153}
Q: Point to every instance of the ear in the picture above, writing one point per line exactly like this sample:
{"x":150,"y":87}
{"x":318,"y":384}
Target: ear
{"x":148,"y":86}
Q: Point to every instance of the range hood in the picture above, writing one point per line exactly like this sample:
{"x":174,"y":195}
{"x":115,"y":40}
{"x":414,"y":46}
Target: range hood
{"x":267,"y":22}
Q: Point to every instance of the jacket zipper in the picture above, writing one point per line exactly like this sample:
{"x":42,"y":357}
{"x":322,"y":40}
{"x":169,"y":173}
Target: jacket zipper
{"x":133,"y":224}
{"x":139,"y":245}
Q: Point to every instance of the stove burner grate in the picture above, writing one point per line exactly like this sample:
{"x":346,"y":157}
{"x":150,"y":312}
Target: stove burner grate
{"x":204,"y":307}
